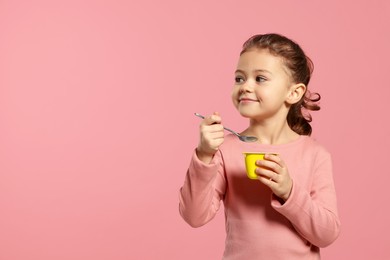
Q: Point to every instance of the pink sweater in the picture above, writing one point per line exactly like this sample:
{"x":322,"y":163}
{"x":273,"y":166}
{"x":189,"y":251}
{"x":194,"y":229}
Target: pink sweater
{"x":258,"y":226}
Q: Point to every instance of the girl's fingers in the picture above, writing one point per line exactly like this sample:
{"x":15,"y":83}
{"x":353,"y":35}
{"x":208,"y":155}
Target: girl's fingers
{"x":272,"y":172}
{"x":266,"y":164}
{"x":213,"y":119}
{"x":267,"y":174}
{"x":215,"y":128}
{"x":215,"y":135}
{"x":267,"y":181}
{"x":209,"y":129}
{"x":274,"y":158}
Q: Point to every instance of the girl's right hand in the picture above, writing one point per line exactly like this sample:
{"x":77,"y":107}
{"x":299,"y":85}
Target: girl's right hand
{"x":211,"y":137}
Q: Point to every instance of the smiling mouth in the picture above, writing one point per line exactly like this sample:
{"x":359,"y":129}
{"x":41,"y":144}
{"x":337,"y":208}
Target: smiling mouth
{"x":247,"y":100}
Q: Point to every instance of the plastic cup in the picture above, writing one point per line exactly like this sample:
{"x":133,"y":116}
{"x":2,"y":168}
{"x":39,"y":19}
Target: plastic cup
{"x":250,"y":163}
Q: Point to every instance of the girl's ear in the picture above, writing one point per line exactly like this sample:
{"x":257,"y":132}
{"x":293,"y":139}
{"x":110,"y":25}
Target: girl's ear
{"x":295,"y":93}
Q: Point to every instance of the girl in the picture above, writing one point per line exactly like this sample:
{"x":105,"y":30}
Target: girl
{"x":291,"y":211}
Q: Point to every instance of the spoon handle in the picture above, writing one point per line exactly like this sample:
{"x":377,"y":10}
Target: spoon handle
{"x":199,"y":115}
{"x":227,"y":129}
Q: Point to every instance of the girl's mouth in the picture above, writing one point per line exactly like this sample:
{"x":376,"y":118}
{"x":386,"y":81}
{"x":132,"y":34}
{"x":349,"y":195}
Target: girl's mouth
{"x":247,"y":100}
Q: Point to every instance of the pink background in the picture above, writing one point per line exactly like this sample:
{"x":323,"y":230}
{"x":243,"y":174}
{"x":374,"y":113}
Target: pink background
{"x":97,"y":126}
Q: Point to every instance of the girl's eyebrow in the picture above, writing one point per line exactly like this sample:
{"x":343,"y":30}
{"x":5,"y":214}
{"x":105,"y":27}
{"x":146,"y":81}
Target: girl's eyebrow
{"x":256,"y":71}
{"x":262,"y":71}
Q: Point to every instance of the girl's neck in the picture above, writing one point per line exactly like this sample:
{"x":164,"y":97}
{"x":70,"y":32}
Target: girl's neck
{"x":271,"y":133}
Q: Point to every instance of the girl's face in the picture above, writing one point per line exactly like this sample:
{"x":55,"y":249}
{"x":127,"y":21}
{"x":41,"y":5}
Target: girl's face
{"x":262,"y":84}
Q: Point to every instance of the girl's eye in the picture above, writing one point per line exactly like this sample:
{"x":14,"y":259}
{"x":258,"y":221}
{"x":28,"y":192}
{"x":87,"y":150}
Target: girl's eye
{"x":239,"y":79}
{"x":260,"y":79}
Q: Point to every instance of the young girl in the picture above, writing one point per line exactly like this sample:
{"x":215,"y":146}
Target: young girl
{"x":291,"y":211}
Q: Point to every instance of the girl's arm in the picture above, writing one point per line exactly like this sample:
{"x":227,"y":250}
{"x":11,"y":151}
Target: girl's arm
{"x":203,"y":189}
{"x":314,"y":214}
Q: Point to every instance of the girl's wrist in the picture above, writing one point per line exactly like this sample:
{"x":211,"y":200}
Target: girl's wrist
{"x":205,"y":157}
{"x":287,"y":195}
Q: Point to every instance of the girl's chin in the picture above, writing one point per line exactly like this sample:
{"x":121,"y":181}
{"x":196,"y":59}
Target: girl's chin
{"x":246,"y":114}
{"x":246,"y":111}
{"x":250,"y":114}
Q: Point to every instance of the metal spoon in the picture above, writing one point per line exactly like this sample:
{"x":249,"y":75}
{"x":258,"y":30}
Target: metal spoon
{"x":241,"y":137}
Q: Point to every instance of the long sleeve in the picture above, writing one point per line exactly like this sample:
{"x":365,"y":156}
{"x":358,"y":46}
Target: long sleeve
{"x":314,"y":214}
{"x":202,"y":191}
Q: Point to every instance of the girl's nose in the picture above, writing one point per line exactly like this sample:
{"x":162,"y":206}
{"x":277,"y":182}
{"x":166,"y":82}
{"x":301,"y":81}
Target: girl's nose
{"x":246,"y":87}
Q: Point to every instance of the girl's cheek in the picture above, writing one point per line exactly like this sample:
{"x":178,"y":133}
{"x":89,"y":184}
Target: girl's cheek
{"x":235,"y":96}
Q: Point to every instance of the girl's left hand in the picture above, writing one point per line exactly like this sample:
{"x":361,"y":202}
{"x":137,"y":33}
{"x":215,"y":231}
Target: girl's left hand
{"x":273,"y":172}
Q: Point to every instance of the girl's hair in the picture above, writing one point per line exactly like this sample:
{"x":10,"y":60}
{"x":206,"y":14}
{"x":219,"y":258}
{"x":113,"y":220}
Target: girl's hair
{"x":301,"y":68}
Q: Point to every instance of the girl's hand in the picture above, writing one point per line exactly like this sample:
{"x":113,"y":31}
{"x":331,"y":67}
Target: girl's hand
{"x":211,"y":137}
{"x":273,"y":172}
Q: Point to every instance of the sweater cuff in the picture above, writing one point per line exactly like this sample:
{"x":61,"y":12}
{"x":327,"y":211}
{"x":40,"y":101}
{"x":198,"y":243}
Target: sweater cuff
{"x":290,"y":207}
{"x":201,"y":171}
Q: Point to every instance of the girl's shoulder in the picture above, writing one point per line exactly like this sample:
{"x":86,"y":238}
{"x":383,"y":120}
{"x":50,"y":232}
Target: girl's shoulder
{"x":313,"y":146}
{"x":312,"y":142}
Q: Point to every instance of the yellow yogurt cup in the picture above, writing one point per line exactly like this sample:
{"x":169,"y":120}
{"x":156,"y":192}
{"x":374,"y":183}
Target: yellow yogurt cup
{"x":250,"y":163}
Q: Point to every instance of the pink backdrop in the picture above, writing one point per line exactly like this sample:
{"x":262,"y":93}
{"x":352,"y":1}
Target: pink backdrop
{"x":97,"y":127}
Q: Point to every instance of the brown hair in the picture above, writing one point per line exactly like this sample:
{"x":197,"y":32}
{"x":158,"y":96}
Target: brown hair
{"x":301,"y":68}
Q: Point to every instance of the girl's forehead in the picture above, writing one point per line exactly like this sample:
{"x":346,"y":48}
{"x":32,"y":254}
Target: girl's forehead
{"x":260,"y":59}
